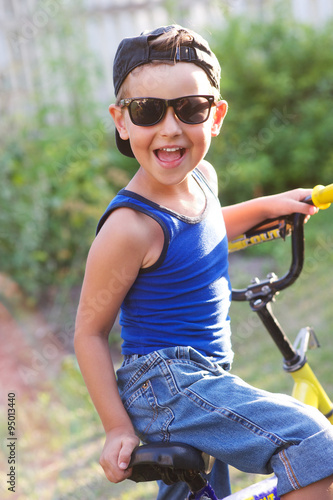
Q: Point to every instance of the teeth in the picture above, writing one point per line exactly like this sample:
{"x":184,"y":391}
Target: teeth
{"x":170,"y":150}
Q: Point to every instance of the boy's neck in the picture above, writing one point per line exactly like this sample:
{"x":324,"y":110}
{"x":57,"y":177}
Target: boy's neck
{"x":186,"y":198}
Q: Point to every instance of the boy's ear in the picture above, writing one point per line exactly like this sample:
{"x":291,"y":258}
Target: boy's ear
{"x":118,"y":118}
{"x":221,"y":108}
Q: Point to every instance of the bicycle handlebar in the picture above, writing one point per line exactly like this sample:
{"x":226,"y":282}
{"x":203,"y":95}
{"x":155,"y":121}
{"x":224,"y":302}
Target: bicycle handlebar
{"x":271,"y":229}
{"x":322,"y":196}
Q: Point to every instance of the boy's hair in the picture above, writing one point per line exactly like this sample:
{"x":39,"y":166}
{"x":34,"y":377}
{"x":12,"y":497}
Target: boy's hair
{"x":172,"y":38}
{"x":167,"y":44}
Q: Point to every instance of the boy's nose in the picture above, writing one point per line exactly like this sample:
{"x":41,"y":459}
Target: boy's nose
{"x":170,"y":124}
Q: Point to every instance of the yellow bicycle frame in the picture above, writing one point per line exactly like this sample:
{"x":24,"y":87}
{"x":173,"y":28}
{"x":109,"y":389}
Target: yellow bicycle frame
{"x":308,"y":389}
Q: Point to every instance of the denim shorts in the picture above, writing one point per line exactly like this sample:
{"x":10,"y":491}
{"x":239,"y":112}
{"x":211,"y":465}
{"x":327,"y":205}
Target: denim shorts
{"x":176,"y":394}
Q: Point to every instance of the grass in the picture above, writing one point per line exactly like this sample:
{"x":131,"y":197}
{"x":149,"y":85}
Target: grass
{"x":60,"y":436}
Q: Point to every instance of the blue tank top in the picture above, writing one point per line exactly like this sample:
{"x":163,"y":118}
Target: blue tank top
{"x":184,"y":298}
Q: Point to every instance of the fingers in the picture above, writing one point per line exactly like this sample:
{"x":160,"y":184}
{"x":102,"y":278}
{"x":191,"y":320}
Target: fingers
{"x":313,"y":210}
{"x":307,"y":209}
{"x":125,"y":455}
{"x":116,"y":457}
{"x":113,"y":472}
{"x":293,"y":202}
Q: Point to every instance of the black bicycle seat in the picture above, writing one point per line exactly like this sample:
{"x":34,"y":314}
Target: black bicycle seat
{"x":170,"y":462}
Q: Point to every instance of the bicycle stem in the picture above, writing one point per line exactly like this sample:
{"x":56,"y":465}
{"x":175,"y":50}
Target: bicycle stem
{"x":261,"y":293}
{"x":265,"y":313}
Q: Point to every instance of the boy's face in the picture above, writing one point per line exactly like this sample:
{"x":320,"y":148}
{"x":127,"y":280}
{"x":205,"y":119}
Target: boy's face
{"x":171,"y":149}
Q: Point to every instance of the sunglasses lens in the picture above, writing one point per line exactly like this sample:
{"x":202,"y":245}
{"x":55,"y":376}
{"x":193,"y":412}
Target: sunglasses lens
{"x":147,"y":111}
{"x":193,"y":109}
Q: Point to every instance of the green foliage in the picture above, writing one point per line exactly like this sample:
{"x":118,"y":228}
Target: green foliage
{"x":60,"y":167}
{"x":277,"y":78}
{"x":55,"y":186}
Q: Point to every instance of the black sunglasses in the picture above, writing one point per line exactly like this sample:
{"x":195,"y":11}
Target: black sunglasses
{"x":147,"y":111}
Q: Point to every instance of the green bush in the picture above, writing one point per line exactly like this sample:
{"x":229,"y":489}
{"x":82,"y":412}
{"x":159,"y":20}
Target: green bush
{"x":277,"y":78}
{"x":61,"y":167}
{"x":54,"y":189}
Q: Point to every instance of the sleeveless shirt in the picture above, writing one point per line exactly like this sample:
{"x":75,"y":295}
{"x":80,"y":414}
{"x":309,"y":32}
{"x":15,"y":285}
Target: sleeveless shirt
{"x":184,"y":298}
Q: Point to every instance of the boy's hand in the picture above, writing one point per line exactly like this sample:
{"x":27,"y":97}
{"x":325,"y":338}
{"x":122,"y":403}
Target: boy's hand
{"x":116,"y":454}
{"x":241,"y":217}
{"x":291,"y":202}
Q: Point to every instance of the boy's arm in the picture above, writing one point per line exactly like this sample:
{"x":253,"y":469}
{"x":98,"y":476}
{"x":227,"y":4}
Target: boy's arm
{"x":114,"y":261}
{"x":97,"y":370}
{"x":243,"y":216}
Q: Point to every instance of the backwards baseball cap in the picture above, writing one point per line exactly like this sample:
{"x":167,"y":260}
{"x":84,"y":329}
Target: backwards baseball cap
{"x":136,"y":51}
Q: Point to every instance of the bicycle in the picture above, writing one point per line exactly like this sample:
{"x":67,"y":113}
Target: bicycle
{"x":173,"y":462}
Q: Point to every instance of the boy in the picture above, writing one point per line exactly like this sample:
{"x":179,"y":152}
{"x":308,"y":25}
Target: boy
{"x":161,"y":256}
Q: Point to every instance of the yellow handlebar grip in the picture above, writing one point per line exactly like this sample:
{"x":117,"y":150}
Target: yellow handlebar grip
{"x":322,"y":196}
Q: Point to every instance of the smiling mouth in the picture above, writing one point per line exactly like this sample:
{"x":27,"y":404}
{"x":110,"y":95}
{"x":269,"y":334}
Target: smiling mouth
{"x":170,"y":154}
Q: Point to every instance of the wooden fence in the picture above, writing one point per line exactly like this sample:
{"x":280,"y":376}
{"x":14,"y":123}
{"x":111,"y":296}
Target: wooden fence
{"x":37,"y":36}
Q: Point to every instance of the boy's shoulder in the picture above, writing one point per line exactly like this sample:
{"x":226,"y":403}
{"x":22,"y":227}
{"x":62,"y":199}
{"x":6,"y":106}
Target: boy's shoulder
{"x":126,"y":224}
{"x":210,"y":174}
{"x":129,"y":232}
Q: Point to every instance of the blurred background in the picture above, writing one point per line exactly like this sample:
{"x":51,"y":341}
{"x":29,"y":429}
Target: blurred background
{"x":59,"y":168}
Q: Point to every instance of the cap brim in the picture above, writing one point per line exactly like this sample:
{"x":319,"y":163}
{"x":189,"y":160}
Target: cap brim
{"x":124,"y":146}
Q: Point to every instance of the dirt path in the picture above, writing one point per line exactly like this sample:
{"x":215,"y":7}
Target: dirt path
{"x":30,"y":350}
